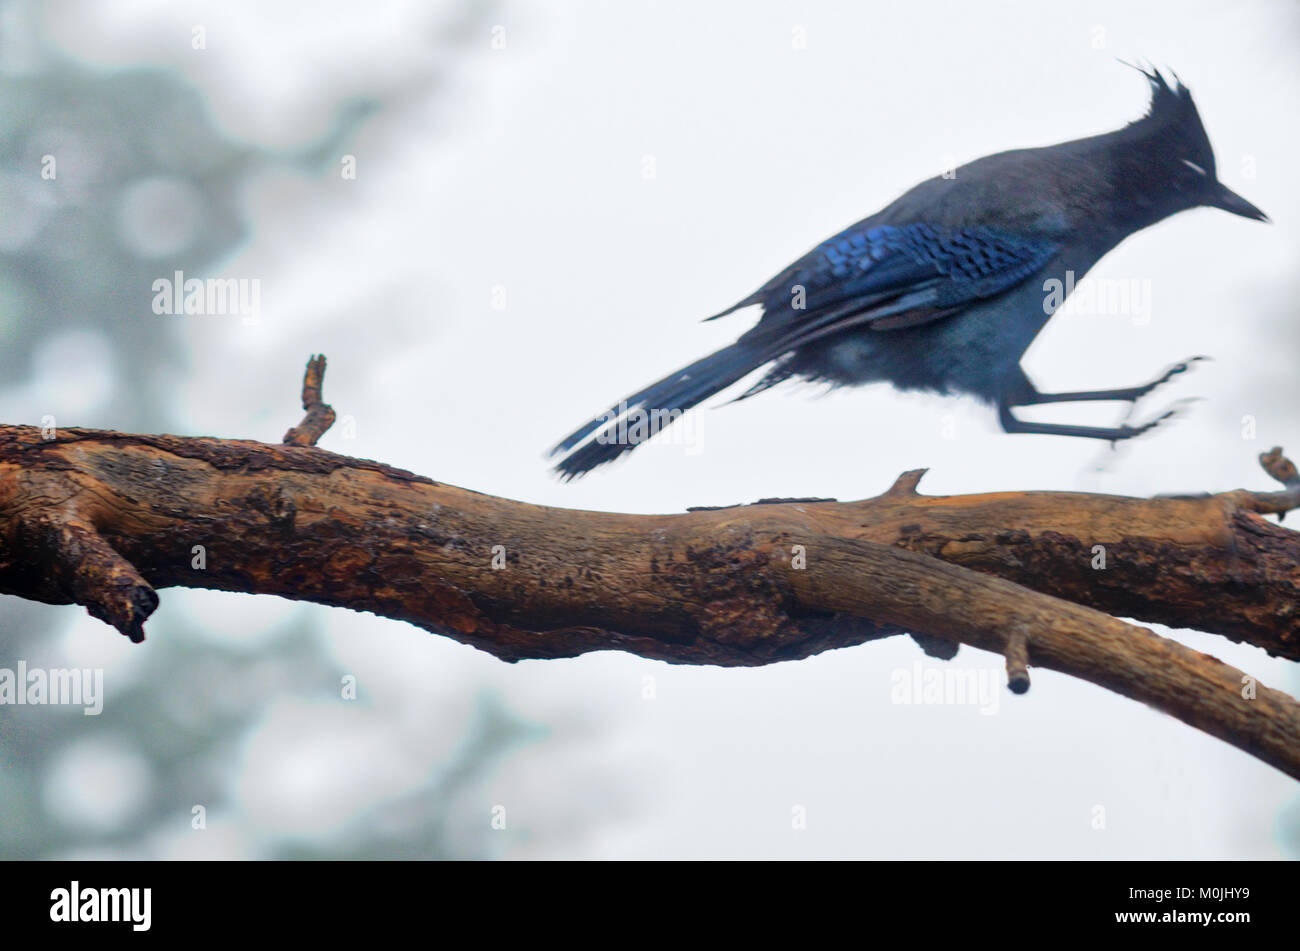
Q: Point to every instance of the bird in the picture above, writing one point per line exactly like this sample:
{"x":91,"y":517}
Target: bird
{"x":944,"y":289}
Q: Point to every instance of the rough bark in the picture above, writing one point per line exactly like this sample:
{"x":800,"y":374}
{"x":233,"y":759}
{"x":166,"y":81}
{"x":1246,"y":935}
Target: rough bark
{"x":104,"y":519}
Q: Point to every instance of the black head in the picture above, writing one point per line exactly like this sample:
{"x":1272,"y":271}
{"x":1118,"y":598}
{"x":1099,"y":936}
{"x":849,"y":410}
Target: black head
{"x":1176,"y":152}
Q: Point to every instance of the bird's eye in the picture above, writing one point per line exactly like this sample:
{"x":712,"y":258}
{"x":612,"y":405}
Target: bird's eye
{"x":1194,"y":167}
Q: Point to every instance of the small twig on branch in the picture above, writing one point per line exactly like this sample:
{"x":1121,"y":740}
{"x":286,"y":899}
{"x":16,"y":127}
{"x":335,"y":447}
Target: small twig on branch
{"x":1283,"y":470}
{"x":320,"y":415}
{"x":1017,"y":655}
{"x":906,"y":484}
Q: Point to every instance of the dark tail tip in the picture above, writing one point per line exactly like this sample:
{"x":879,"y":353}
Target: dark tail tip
{"x":595,"y":453}
{"x":624,"y":427}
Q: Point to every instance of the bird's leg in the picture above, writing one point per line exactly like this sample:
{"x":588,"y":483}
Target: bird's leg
{"x":1028,"y":396}
{"x":1011,"y":424}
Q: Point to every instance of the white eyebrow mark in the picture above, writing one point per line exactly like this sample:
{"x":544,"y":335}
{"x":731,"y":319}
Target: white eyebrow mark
{"x":1194,"y":167}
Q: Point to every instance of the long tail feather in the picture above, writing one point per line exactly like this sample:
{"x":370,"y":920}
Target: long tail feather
{"x":609,"y":435}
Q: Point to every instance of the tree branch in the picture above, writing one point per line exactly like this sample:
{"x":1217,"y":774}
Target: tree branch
{"x":103,"y":519}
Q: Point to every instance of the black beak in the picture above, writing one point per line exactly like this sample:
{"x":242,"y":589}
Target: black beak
{"x":1225,"y":198}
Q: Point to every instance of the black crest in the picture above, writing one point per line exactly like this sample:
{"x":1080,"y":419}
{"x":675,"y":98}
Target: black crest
{"x":1172,"y":119}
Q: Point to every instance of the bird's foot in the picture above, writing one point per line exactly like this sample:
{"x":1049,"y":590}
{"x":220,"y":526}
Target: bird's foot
{"x":1137,"y":392}
{"x":1175,"y":410}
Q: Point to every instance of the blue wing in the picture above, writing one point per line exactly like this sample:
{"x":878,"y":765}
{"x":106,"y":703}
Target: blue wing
{"x":890,"y":277}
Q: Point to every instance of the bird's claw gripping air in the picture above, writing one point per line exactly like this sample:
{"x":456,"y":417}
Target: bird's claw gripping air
{"x":1173,"y":371}
{"x":1177,"y":409}
{"x":1111,"y":434}
{"x":1168,"y":375}
{"x":1026,"y":395}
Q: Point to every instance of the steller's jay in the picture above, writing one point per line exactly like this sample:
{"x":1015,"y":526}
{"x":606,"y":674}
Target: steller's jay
{"x":946,"y":288}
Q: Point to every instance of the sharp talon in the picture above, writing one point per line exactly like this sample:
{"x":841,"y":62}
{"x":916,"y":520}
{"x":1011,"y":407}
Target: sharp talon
{"x":1175,"y":410}
{"x":1172,"y":372}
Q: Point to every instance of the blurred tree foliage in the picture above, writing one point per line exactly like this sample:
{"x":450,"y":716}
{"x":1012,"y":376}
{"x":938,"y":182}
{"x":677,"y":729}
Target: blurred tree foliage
{"x":144,"y":185}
